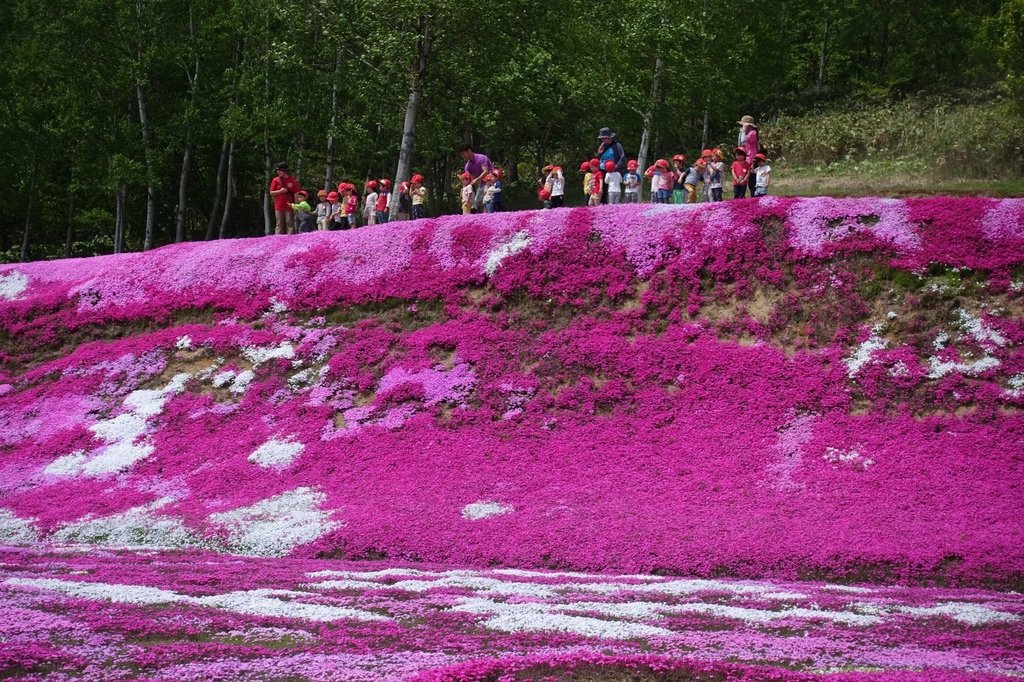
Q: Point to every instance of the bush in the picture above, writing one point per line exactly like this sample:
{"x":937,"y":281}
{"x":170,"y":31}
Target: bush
{"x":954,"y":139}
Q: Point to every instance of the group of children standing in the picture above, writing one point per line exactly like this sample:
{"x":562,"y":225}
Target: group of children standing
{"x":677,"y":183}
{"x":680,"y":183}
{"x":493,"y":198}
{"x":343,"y":209}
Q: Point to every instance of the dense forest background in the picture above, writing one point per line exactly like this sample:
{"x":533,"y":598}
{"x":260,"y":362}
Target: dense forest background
{"x":128,"y":124}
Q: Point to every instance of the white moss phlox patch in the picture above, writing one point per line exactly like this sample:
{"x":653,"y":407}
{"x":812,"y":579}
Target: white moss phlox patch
{"x":484,"y":509}
{"x":15,"y":530}
{"x":862,"y":354}
{"x":276,"y":453}
{"x":136,"y":527}
{"x":518,"y":242}
{"x":258,"y":355}
{"x":276,"y":525}
{"x":12,"y":285}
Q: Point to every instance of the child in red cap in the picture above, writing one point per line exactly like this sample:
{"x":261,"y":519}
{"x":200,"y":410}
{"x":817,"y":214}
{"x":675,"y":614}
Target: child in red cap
{"x":544,"y":195}
{"x":323,"y":211}
{"x":665,"y":181}
{"x":467,"y":193}
{"x":631,"y":181}
{"x":596,"y":183}
{"x":763,"y":174}
{"x":381,"y":209}
{"x":369,"y":202}
{"x":419,"y":196}
{"x":717,"y":169}
{"x":613,"y":178}
{"x":740,"y":174}
{"x":678,"y":175}
{"x":588,"y":176}
{"x":489,"y":191}
{"x":497,"y":202}
{"x":404,"y":202}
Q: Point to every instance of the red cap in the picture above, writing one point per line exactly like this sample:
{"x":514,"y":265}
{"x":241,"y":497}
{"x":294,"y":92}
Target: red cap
{"x":302,"y":193}
{"x":631,"y":165}
{"x":488,"y":177}
{"x":465,"y":176}
{"x":372,"y":184}
{"x":547,"y":169}
{"x":706,"y":152}
{"x":416,"y":179}
{"x":740,"y":150}
{"x":760,"y":157}
{"x":595,"y":163}
{"x":609,"y":165}
{"x":385,"y":183}
{"x":332,"y":196}
{"x":585,"y":166}
{"x":404,"y":187}
{"x":661,"y":163}
{"x":499,"y":173}
{"x":680,"y":158}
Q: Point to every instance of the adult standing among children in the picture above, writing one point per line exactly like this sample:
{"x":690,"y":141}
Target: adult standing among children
{"x":749,"y":138}
{"x":284,"y":187}
{"x":609,"y":150}
{"x":477,"y":165}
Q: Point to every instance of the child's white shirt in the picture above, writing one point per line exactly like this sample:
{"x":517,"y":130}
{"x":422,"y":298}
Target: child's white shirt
{"x":489,"y":192}
{"x":614,"y":180}
{"x":467,"y":194}
{"x":371,"y":202}
{"x":716,"y":170}
{"x":763,"y":174}
{"x":656,"y":181}
{"x":557,"y":182}
{"x":632,"y":182}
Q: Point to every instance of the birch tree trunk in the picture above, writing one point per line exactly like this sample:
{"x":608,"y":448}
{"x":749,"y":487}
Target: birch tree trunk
{"x":329,"y":177}
{"x":186,"y":157}
{"x":186,"y":168}
{"x":645,"y":138}
{"x":229,"y":191}
{"x":218,"y":195}
{"x":69,"y":235}
{"x":412,"y":110}
{"x":819,"y":85}
{"x":222,"y":165}
{"x":147,"y":134}
{"x":32,"y":183}
{"x":121,"y":217}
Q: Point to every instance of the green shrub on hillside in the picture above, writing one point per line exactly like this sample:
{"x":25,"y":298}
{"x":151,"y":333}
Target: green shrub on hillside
{"x":973,"y":139}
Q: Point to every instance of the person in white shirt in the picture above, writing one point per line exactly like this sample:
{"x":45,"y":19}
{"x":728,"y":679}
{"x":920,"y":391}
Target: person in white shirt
{"x":613,"y":179}
{"x":631,"y":180}
{"x":554,"y":183}
{"x":763,"y":173}
{"x":369,"y":202}
{"x":323,"y":211}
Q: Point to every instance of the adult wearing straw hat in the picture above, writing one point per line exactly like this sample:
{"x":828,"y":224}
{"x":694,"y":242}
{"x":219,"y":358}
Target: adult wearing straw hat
{"x":749,"y":139}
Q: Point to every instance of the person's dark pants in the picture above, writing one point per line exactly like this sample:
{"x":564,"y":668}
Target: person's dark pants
{"x":739,"y":191}
{"x":417,"y":211}
{"x":604,"y":192}
{"x":716,"y":194}
{"x":558,"y":202}
{"x":496,"y":204}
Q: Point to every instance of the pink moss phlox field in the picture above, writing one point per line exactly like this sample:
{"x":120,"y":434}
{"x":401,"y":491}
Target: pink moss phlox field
{"x":784,"y":388}
{"x":117,"y":615}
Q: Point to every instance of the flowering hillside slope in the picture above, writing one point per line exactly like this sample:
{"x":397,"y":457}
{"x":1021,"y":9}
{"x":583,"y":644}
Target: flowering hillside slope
{"x":788,"y":388}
